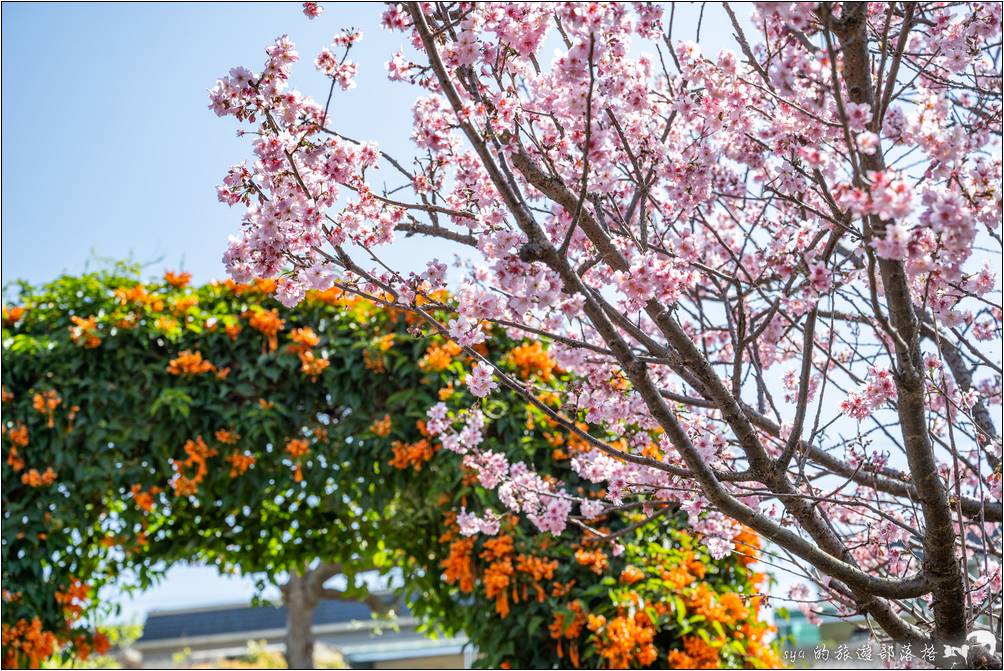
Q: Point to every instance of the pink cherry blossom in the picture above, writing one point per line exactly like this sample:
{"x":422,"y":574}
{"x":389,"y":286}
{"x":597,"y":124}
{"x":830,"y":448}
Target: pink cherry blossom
{"x":312,"y":10}
{"x":479,"y":381}
{"x":767,"y":272}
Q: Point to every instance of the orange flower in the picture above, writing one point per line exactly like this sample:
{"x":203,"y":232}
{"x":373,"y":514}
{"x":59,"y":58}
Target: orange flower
{"x":574,"y":628}
{"x":685,"y":573}
{"x":101,"y":643}
{"x":73,"y":599}
{"x":459,"y":565}
{"x":71,"y":417}
{"x":227,"y":437}
{"x":381,"y":427}
{"x":627,"y":641}
{"x":765,"y":656}
{"x":652,"y":451}
{"x":577,"y":444}
{"x":701,"y":600}
{"x":26,"y":643}
{"x":571,"y":630}
{"x":532,"y":359}
{"x":694,"y":566}
{"x":297,"y":447}
{"x":13,"y":460}
{"x":5,"y":394}
{"x":144,"y":499}
{"x":166,"y":324}
{"x":190,"y":363}
{"x":499,"y":547}
{"x":734,"y":610}
{"x":198,"y":452}
{"x":412,"y":454}
{"x":19,"y":435}
{"x":136,"y":295}
{"x":498,"y":551}
{"x":497,"y":578}
{"x":35,"y":479}
{"x":439,"y":357}
{"x":678,"y":578}
{"x":81,"y":647}
{"x":184,"y":486}
{"x":237,"y":289}
{"x":537,"y":567}
{"x":330,"y":296}
{"x":84,"y":332}
{"x":312,"y":365}
{"x":184,"y":303}
{"x":678,"y":659}
{"x":303,"y":339}
{"x":619,"y":382}
{"x":631,"y":574}
{"x":232,"y":331}
{"x":239,"y":463}
{"x":559,"y":590}
{"x":46,"y":404}
{"x":374,"y":363}
{"x":747,"y":544}
{"x":177,"y":280}
{"x":701,"y":655}
{"x":266,"y":322}
{"x":12,"y":315}
{"x":595,"y":560}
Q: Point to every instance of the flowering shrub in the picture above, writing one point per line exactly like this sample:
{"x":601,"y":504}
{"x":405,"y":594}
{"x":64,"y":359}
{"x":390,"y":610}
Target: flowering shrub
{"x":127,"y":456}
{"x":571,"y":601}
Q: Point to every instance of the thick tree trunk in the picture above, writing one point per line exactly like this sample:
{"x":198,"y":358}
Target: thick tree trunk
{"x":300,"y":601}
{"x":941,"y":566}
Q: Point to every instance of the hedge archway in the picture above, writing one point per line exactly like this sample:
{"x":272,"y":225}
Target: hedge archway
{"x":149,"y":423}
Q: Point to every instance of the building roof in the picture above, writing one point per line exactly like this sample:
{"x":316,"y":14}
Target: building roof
{"x":236,"y":619}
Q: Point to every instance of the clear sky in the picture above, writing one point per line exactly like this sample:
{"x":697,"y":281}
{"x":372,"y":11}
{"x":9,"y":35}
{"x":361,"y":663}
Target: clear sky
{"x":110,"y":150}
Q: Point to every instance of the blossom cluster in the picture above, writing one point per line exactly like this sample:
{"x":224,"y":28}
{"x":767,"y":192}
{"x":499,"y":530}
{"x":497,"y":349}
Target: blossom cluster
{"x":674,"y":221}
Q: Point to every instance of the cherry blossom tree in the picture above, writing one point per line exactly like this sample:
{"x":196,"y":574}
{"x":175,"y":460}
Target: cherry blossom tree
{"x":771,"y":268}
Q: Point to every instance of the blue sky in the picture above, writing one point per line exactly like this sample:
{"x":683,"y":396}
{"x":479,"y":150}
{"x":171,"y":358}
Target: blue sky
{"x":110,"y":150}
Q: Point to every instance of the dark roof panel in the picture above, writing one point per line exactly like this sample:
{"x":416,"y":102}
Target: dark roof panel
{"x":207,"y":622}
